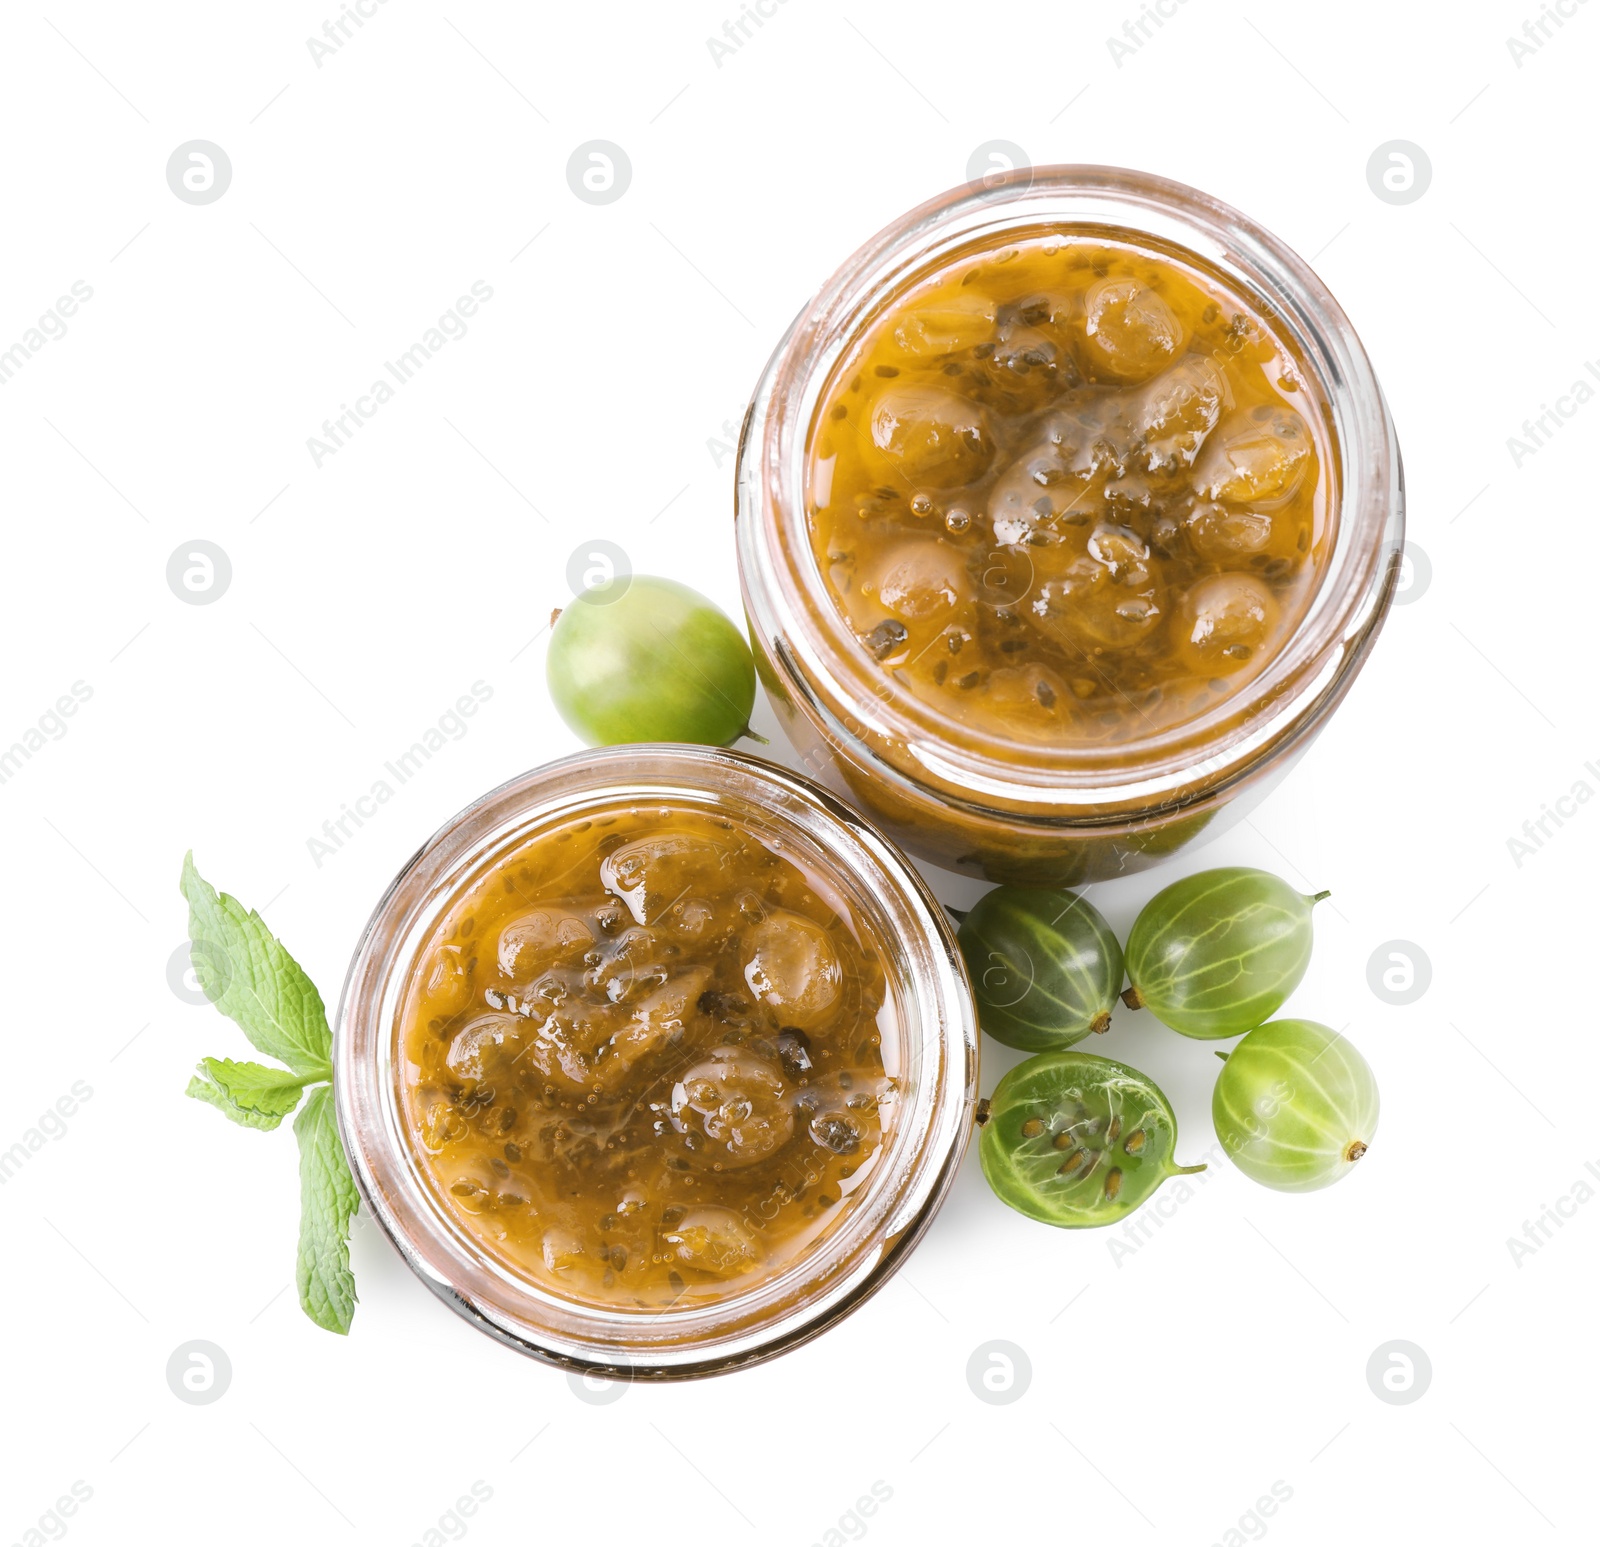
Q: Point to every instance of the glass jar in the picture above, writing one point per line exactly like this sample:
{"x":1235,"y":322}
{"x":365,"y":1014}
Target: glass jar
{"x":935,"y":1065}
{"x":1059,"y":814}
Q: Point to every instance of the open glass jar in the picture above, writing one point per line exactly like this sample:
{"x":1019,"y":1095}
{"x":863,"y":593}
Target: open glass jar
{"x":460,"y":1072}
{"x":878,"y":711}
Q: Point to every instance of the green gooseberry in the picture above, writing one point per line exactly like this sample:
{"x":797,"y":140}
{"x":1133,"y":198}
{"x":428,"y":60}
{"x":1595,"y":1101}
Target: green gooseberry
{"x":1295,"y":1106}
{"x":1217,"y":953}
{"x":648,"y":659}
{"x":1045,"y":967}
{"x":1076,"y":1140}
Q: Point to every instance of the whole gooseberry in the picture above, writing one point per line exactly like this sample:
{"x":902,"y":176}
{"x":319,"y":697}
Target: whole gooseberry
{"x":1295,"y":1106}
{"x":656,"y":663}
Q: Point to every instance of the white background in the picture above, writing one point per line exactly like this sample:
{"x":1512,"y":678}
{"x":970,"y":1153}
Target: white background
{"x":1171,"y":1388}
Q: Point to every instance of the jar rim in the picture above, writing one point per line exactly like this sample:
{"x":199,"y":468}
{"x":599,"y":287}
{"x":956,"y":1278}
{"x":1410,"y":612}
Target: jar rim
{"x":828,"y":1278}
{"x":854,"y":703}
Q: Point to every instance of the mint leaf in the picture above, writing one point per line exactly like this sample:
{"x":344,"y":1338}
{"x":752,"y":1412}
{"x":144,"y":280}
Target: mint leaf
{"x":204,"y":1090}
{"x":249,"y":976}
{"x":328,"y":1200}
{"x":253,"y":1095}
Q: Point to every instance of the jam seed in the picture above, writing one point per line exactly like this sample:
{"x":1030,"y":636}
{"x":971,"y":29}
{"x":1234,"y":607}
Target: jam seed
{"x":886,"y":638}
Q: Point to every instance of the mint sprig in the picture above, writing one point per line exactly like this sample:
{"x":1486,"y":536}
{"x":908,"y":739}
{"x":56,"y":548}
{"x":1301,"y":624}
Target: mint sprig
{"x":248,"y":975}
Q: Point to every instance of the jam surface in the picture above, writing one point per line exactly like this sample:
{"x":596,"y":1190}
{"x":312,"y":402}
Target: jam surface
{"x":642,"y":1056}
{"x":1069,"y":490}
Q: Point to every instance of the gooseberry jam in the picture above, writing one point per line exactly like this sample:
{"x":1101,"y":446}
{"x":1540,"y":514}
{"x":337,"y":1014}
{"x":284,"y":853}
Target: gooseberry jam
{"x":644,"y":1055}
{"x":1067,"y":489}
{"x":1067,"y":512}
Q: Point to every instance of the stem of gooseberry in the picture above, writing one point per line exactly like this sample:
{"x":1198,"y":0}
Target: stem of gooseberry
{"x":1185,"y":1170}
{"x":1220,"y":1054}
{"x":754,"y":735}
{"x":1317,"y":897}
{"x":958,"y":914}
{"x":1132,"y":999}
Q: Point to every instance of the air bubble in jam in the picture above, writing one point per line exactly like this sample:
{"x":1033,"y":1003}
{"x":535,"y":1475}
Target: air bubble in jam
{"x":678,"y":1085}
